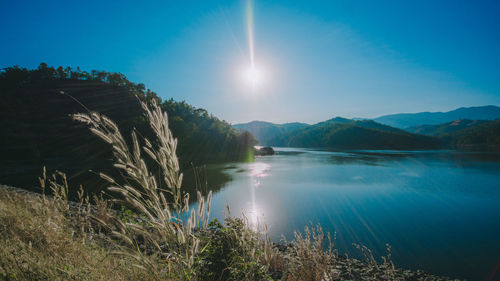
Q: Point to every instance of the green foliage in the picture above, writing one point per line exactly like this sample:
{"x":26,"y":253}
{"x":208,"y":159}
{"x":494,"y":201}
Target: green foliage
{"x":199,"y":132}
{"x":226,"y":256}
{"x":485,"y":135}
{"x":16,"y":77}
{"x":464,"y":133}
{"x":127,"y":215}
{"x":445,"y":128}
{"x":265,"y":131}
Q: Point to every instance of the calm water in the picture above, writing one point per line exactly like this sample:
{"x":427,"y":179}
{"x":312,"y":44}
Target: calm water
{"x":440,"y":211}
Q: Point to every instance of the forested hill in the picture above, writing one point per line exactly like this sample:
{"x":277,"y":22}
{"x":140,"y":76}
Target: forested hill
{"x":445,"y":128}
{"x":485,"y":135}
{"x":36,"y":128}
{"x":265,"y":131}
{"x":465,"y":134}
{"x":342,"y":133}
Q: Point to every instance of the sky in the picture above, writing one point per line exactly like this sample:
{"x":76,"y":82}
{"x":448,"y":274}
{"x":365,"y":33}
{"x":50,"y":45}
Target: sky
{"x":315,"y":59}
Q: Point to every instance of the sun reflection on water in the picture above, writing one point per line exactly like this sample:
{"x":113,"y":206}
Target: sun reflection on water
{"x":255,"y":214}
{"x":259,"y":170}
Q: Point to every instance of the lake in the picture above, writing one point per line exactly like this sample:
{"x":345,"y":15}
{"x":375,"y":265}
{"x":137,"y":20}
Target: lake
{"x":439,"y":210}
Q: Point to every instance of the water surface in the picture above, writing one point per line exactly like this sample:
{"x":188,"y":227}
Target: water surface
{"x":440,"y":211}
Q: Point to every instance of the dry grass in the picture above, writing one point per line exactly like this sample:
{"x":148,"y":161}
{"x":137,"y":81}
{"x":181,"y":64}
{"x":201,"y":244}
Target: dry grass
{"x":38,"y":242}
{"x":311,"y":256}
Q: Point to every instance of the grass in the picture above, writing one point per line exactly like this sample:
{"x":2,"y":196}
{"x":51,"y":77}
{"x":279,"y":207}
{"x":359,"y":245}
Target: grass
{"x":157,"y":235}
{"x":39,"y":242}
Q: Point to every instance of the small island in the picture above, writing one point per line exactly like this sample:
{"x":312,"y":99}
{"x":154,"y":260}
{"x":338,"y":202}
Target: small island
{"x":263,"y":151}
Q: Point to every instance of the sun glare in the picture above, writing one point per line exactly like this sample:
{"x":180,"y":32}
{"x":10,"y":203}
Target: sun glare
{"x":253,"y":77}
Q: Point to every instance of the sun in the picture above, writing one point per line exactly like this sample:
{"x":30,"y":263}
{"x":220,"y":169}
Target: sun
{"x":253,"y":77}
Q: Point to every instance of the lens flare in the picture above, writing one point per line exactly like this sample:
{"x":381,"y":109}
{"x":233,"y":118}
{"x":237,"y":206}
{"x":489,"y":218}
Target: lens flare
{"x":251,"y":49}
{"x":252,"y":75}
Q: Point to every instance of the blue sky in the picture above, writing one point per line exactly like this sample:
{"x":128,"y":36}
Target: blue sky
{"x":318,"y":59}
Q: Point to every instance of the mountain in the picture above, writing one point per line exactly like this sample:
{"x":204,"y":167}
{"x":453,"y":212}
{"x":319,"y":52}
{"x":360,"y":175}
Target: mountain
{"x":407,"y":120}
{"x":446,"y":128}
{"x":482,"y":136}
{"x":368,"y":124}
{"x":37,"y":129}
{"x":342,"y":133}
{"x":464,"y":133}
{"x":265,"y":131}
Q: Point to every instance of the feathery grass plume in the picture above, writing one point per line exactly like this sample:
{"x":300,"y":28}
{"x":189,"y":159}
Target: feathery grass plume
{"x":83,"y":213}
{"x":58,"y":185}
{"x":165,"y":153}
{"x":162,"y":234}
{"x":59,"y":190}
{"x":310,"y":260}
{"x":79,"y":214}
{"x":388,"y":260}
{"x":209,"y":203}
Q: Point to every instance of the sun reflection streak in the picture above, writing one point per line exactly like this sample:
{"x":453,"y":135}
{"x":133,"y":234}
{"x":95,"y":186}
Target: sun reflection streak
{"x":255,"y":214}
{"x":259,"y":170}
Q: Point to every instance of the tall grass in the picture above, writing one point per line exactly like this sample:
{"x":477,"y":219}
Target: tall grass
{"x":39,"y":242}
{"x":168,"y":232}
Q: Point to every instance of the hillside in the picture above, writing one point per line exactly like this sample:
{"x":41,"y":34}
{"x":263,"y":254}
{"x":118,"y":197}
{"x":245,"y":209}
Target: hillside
{"x":483,"y":136}
{"x":341,"y":133}
{"x":446,"y":128}
{"x":407,"y":120}
{"x":265,"y":131}
{"x":37,"y":129}
{"x":368,"y":124}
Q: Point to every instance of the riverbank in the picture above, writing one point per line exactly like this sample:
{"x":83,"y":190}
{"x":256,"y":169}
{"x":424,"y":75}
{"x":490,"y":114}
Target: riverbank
{"x":49,"y":238}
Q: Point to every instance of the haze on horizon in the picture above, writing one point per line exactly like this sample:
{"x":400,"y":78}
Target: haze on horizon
{"x":317,"y":60}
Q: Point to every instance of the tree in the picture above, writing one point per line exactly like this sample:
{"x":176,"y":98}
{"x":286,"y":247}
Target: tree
{"x":61,"y":74}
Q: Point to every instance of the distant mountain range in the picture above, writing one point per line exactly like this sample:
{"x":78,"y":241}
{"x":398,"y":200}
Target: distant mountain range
{"x":338,"y":133}
{"x":407,"y":120}
{"x":343,"y":133}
